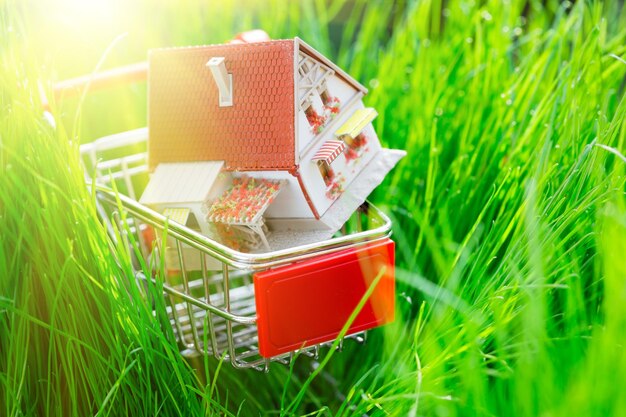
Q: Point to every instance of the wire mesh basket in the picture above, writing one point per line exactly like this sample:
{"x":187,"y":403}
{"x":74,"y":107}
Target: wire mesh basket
{"x":250,"y":309}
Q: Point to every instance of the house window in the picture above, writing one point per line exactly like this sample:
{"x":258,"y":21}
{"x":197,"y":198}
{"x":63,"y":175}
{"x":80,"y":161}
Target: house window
{"x":316,"y":121}
{"x":325,"y":155}
{"x":327,"y":172}
{"x":355,"y":146}
{"x":355,"y":143}
{"x":325,"y":96}
{"x":359,"y":141}
{"x":348,"y":140}
{"x":331,"y":104}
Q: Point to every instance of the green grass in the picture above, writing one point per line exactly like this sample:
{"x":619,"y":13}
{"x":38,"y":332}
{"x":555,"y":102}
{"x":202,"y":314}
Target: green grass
{"x":509,"y":214}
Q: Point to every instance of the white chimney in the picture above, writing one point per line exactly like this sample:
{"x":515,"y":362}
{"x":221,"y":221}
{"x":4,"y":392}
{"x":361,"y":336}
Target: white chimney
{"x":223,"y":80}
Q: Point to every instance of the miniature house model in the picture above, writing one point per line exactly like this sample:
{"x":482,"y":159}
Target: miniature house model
{"x":252,"y":140}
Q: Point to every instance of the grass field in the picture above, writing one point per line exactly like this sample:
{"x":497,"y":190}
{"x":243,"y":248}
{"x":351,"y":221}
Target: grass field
{"x":509,"y":212}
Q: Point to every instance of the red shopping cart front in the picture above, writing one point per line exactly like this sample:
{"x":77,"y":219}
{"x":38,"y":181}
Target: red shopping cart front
{"x":309,"y":302}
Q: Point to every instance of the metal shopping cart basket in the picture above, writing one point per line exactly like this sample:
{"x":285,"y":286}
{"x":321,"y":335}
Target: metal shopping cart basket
{"x":250,"y":309}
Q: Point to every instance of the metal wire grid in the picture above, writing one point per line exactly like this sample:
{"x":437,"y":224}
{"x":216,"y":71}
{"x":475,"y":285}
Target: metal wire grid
{"x":211,"y":309}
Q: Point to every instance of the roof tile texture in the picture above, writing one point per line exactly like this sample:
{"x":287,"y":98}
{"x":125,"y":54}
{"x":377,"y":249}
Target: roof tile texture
{"x":185,"y":120}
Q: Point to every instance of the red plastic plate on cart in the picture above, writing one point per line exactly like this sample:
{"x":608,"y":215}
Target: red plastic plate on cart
{"x":309,"y":302}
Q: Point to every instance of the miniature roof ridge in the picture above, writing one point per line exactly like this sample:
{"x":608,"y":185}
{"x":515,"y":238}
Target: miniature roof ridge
{"x":297,"y":42}
{"x":191,"y":47}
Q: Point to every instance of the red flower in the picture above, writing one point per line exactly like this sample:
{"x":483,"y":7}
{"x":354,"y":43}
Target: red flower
{"x":350,"y":154}
{"x":243,"y":200}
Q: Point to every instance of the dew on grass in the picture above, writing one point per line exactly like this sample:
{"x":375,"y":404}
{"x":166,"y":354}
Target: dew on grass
{"x":407,"y":297}
{"x":469,"y":39}
{"x":374,"y":83}
{"x":486,"y":15}
{"x":517,"y":31}
{"x":438,"y":111}
{"x":505,"y":29}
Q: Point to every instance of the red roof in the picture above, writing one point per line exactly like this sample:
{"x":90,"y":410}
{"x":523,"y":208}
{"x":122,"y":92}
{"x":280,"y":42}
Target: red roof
{"x":185,"y":120}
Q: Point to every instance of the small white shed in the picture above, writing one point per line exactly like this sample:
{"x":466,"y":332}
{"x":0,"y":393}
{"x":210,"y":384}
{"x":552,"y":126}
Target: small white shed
{"x":180,"y":189}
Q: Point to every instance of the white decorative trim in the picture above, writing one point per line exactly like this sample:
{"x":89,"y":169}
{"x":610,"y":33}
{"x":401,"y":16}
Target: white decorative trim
{"x":312,"y":75}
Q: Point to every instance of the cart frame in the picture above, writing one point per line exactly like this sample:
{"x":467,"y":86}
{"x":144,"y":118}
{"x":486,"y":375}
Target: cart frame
{"x":212,"y":313}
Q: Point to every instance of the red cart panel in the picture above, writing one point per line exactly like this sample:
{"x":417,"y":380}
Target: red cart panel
{"x":309,"y":302}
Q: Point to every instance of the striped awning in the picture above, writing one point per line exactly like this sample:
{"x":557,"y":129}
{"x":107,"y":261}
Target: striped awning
{"x":329,"y":151}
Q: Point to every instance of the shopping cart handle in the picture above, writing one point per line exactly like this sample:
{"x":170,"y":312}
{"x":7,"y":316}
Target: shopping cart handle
{"x":100,"y":80}
{"x":127,"y":74}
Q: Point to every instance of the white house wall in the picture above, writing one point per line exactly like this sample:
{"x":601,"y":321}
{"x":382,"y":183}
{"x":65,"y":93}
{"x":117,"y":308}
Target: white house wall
{"x":290,"y":202}
{"x":305,"y":136}
{"x":340,"y":89}
{"x":345,"y":171}
{"x":336,"y":88}
{"x":223,"y":181}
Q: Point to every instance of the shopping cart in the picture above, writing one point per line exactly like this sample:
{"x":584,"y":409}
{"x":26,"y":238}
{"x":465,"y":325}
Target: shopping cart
{"x":250,"y":309}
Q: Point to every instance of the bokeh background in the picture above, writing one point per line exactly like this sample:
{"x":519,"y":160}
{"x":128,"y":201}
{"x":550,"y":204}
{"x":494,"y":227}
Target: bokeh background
{"x":509,"y":211}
